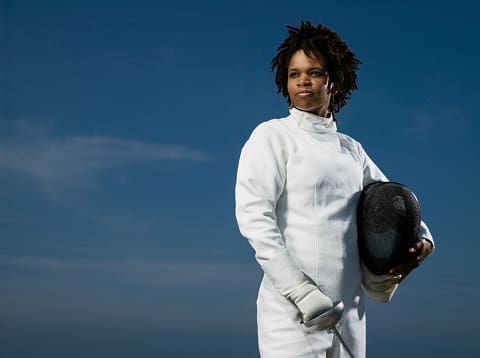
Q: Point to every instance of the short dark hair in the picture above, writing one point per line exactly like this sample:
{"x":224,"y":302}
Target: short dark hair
{"x":319,"y":40}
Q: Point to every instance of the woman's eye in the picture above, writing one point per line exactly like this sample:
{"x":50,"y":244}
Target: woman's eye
{"x":317,"y":73}
{"x":293,"y":74}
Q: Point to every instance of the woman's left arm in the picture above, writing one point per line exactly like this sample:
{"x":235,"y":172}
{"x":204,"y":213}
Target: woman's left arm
{"x":423,"y":247}
{"x":372,"y":173}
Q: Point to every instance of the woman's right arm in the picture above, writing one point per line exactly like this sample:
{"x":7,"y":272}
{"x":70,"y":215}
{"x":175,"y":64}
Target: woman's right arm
{"x":260,"y":182}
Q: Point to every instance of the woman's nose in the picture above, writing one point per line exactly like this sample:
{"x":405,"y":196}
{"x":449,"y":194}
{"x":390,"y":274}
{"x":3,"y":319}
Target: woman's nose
{"x":304,"y":81}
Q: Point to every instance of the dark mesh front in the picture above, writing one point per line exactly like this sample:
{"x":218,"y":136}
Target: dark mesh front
{"x":388,"y":223}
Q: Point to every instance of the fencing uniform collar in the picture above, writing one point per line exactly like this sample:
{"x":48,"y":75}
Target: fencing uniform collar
{"x":312,"y":122}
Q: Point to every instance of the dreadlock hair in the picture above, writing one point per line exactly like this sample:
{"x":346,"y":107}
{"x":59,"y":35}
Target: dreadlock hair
{"x":314,"y":41}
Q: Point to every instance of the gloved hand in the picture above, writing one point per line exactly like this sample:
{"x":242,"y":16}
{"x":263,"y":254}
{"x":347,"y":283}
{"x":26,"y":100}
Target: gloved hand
{"x":293,"y":284}
{"x":309,"y":300}
{"x":379,"y":287}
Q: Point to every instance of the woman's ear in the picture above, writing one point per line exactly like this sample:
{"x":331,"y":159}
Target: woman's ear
{"x":333,"y":88}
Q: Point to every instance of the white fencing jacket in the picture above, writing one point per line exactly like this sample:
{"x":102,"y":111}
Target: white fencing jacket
{"x":298,"y":184}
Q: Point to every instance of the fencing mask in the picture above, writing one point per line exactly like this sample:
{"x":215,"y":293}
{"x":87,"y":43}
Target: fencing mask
{"x":388,"y":220}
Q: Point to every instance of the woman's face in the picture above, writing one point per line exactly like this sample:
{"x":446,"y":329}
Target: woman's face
{"x":309,"y":88}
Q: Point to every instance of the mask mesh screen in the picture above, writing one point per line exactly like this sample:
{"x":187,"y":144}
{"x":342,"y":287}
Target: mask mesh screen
{"x":388,"y":220}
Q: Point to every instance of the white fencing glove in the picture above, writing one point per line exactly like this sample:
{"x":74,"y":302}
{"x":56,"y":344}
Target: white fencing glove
{"x":310,"y":301}
{"x":292,"y":283}
{"x":379,"y":287}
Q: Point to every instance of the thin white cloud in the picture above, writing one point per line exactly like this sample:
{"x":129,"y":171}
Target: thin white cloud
{"x":432,"y":123}
{"x":422,"y":121}
{"x":140,"y":290}
{"x":34,"y":151}
{"x":141,"y":271}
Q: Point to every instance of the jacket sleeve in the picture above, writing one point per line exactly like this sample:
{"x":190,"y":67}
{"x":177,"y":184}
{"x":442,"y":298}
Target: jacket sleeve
{"x":371,"y":173}
{"x":260,"y":182}
{"x":381,"y":287}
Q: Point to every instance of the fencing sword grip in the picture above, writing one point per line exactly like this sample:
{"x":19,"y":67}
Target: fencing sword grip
{"x":328,"y":318}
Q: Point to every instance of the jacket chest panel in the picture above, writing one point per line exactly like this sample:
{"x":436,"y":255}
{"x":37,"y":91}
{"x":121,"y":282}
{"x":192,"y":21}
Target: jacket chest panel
{"x":323,"y":168}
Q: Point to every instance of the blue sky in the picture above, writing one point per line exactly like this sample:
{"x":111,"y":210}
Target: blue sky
{"x":121,"y":123}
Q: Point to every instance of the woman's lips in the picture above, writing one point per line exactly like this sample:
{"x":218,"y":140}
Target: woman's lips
{"x":304,"y":93}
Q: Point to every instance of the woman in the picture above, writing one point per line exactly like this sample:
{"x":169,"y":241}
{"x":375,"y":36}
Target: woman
{"x":298,"y":184}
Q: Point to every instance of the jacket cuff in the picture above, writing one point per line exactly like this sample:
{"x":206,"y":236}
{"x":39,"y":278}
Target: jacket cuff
{"x":424,"y":233}
{"x":284,"y":273}
{"x":380,"y":296}
{"x":379,"y":287}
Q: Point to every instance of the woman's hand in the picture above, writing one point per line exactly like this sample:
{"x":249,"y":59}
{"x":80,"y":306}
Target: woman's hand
{"x":417,"y":253}
{"x":310,"y":301}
